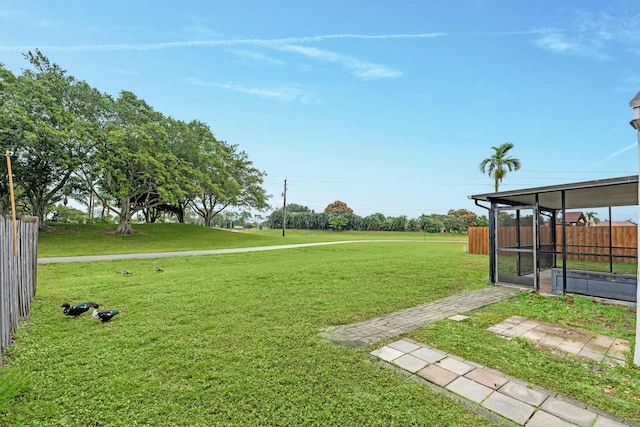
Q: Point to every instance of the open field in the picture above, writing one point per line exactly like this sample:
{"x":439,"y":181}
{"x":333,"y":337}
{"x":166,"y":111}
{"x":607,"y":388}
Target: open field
{"x":98,"y":239}
{"x":234,"y":339}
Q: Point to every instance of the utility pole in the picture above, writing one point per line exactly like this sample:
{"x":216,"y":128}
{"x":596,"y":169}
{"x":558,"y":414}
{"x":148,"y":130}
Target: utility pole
{"x":284,"y":208}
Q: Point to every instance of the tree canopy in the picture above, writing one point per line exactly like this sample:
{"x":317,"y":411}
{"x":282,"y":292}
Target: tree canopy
{"x":68,"y":139}
{"x":338,"y":207}
{"x":455,"y":221}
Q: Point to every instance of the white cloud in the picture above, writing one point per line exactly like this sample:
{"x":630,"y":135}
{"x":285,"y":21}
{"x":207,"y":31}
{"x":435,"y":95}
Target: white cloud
{"x":579,"y":44}
{"x":289,"y":93}
{"x":257,"y":57}
{"x":593,"y":35}
{"x":364,"y":70}
{"x":125,"y":72}
{"x":217,"y":43}
{"x":556,"y":42}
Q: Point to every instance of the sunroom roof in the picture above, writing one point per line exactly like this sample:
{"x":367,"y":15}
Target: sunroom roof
{"x":621,"y":191}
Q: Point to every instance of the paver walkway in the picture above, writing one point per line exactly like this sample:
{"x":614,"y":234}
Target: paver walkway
{"x":498,"y":397}
{"x":601,"y":348}
{"x":391,"y":325}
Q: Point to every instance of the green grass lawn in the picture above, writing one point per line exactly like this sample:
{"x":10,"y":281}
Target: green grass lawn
{"x":96,"y":239}
{"x":230,"y":340}
{"x":233,"y":340}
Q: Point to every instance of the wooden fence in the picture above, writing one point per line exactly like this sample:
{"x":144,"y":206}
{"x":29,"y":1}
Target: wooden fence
{"x":595,"y":240}
{"x":17,"y":273}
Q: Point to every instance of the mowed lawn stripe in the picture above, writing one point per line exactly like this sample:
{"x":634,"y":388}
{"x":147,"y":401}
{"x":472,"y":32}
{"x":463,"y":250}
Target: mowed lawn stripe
{"x":231,"y":339}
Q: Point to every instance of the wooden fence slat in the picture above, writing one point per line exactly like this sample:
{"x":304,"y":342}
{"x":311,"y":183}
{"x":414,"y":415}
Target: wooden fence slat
{"x":18,"y":274}
{"x":625,"y":238}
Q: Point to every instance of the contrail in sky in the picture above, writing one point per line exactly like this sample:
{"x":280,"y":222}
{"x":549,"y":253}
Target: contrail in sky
{"x":617,"y":153}
{"x":215,"y":43}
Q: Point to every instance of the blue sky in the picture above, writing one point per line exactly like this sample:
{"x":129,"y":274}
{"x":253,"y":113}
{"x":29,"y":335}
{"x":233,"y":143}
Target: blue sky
{"x":388,"y":106}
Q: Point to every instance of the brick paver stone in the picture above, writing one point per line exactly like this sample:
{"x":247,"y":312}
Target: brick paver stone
{"x":428,"y":354}
{"x":471,"y":390}
{"x":524,"y":394}
{"x":551,"y":340}
{"x":607,"y":422}
{"x":509,"y":407}
{"x":534,"y":335}
{"x":603,"y":341}
{"x":410,"y":363}
{"x":545,"y":419}
{"x":387,"y":353}
{"x":585,"y":352}
{"x":404,"y":346}
{"x":455,"y":366}
{"x":437,"y":375}
{"x":571,"y":347}
{"x":569,"y":411}
{"x":487,"y":378}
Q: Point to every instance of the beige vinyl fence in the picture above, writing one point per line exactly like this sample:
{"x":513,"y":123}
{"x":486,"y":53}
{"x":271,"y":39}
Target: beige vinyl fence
{"x":594,"y":240}
{"x":17,"y":273}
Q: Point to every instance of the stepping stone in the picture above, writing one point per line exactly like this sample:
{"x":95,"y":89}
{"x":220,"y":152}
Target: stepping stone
{"x":410,"y":363}
{"x":545,"y":419}
{"x":428,"y":355}
{"x":509,"y":407}
{"x":471,"y":390}
{"x":404,"y":346}
{"x":523,"y":394}
{"x":437,"y":375}
{"x":569,"y":411}
{"x":486,"y":378}
{"x":387,"y":353}
{"x":455,"y":366}
{"x":607,"y":422}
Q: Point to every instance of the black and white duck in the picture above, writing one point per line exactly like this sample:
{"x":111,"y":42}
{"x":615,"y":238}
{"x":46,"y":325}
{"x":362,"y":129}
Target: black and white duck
{"x":103,"y":315}
{"x":76,"y":310}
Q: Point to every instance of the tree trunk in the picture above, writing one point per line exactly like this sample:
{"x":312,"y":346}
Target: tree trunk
{"x":90,"y":213}
{"x":124,"y":226}
{"x":39,"y":212}
{"x":180,"y":213}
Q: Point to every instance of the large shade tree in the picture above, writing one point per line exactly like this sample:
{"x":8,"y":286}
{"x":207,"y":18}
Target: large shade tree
{"x":231,"y":181}
{"x":500,"y":163}
{"x":191,"y":144}
{"x":138,"y":169}
{"x":68,"y":140}
{"x":48,"y":122}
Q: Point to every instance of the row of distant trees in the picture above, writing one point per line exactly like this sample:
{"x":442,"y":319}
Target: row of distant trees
{"x":338,"y":216}
{"x":67,"y":140}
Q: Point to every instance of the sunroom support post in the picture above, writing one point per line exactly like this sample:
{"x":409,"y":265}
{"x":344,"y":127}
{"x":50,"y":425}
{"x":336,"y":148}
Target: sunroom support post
{"x":610,"y":242}
{"x":536,"y":244}
{"x":492,"y":244}
{"x":564,"y":243}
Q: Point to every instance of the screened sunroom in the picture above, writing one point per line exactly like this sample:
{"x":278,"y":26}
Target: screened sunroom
{"x":548,"y":238}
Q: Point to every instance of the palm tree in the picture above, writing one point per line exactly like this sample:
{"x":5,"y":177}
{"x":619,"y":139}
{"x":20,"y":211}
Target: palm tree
{"x":592,"y":218}
{"x":496,"y":165}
